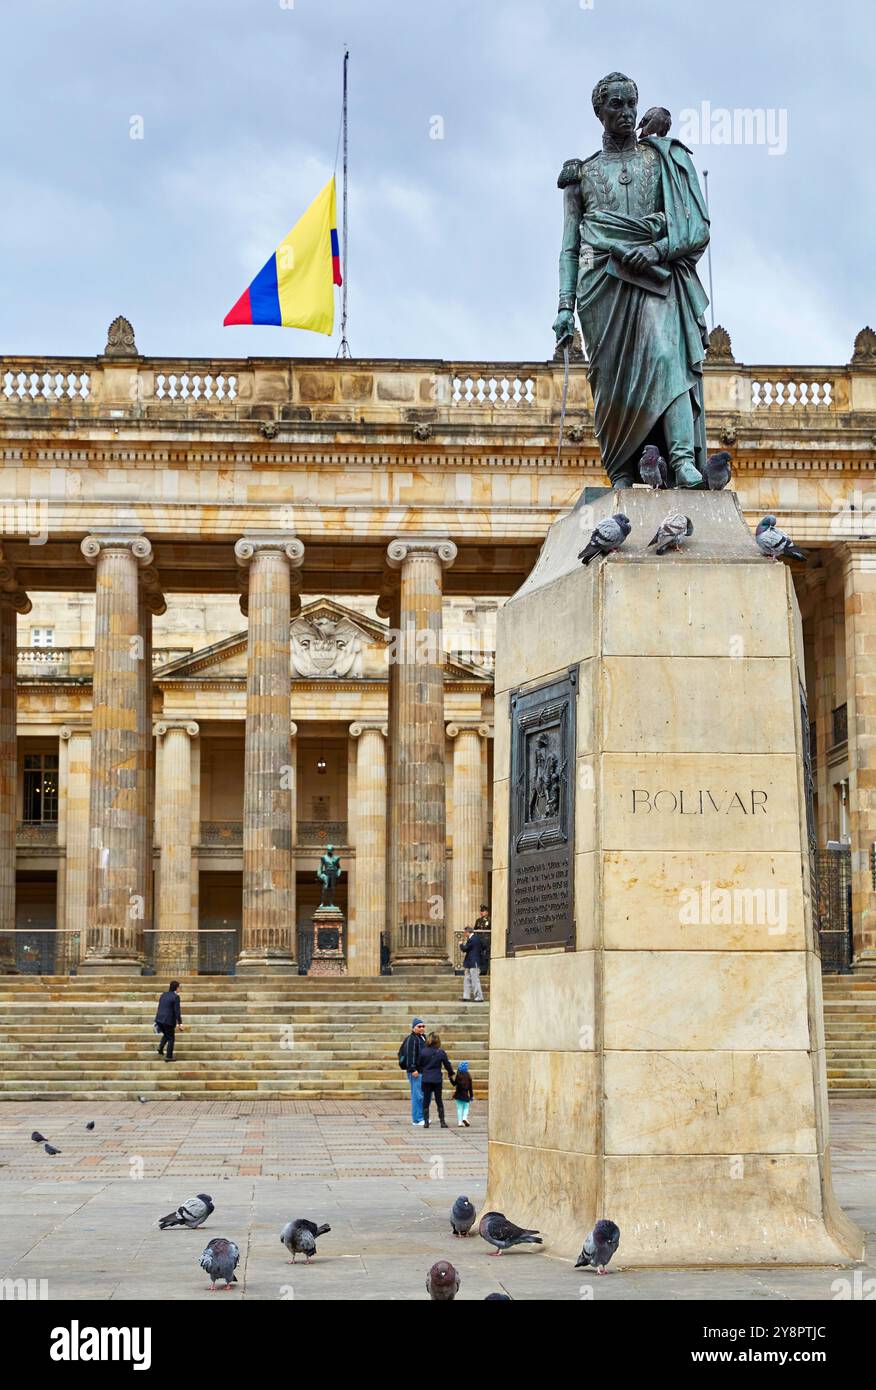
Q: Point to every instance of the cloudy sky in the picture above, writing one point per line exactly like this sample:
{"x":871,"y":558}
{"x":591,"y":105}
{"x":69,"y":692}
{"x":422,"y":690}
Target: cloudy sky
{"x":453,"y":241}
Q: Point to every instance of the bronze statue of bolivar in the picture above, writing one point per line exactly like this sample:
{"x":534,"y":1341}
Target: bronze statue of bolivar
{"x":635,"y":226}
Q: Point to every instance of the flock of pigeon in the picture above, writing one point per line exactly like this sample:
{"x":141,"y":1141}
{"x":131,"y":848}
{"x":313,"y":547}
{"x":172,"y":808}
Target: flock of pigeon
{"x":610,"y":534}
{"x":221,"y":1256}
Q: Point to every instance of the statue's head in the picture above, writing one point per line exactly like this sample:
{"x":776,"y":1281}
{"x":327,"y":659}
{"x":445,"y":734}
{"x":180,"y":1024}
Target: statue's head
{"x":329,"y":849}
{"x":615,"y":102}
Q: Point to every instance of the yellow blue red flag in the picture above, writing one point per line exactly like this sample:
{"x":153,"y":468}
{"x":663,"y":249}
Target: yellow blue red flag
{"x":295,"y":287}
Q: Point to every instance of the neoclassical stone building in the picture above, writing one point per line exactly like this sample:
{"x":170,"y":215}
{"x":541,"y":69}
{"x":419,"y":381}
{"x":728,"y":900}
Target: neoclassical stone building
{"x":247,"y":609}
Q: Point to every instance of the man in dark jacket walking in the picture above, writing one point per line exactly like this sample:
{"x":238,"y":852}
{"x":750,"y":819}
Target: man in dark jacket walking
{"x":168,"y":1018}
{"x":409,"y":1061}
{"x":472,"y":948}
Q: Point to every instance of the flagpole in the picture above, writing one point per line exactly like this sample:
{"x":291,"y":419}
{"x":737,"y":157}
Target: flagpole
{"x":709,"y":252}
{"x":344,"y":349}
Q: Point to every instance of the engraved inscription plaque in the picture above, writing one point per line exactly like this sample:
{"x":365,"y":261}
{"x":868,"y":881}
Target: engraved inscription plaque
{"x":542,"y":816}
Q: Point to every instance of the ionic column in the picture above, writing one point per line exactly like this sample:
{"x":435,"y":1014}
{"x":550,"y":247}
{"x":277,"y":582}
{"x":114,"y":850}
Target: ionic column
{"x":387,"y":607}
{"x":74,"y":782}
{"x":419,"y":847}
{"x":292,"y":782}
{"x":268,"y":867}
{"x":467,"y":888}
{"x":12,"y":602}
{"x":859,"y":571}
{"x":151,"y":602}
{"x":175,"y":942}
{"x":363,"y":954}
{"x":117,"y":890}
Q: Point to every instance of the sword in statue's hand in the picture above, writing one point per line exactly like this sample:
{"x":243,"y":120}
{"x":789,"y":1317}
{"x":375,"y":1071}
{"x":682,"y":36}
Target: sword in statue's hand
{"x":566,"y":342}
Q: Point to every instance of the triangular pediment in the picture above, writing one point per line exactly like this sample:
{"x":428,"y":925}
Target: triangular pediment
{"x":221,"y":661}
{"x":329,"y":642}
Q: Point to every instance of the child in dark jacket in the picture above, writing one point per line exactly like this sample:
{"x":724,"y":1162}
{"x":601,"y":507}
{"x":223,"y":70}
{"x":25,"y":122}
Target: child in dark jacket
{"x":432,"y":1059}
{"x":463,"y":1095}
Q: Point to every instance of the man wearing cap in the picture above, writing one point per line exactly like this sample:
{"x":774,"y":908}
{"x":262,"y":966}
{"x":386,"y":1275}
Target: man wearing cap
{"x":409,"y":1061}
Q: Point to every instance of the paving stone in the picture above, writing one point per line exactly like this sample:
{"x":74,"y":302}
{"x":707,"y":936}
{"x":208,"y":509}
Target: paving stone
{"x":385,"y":1189}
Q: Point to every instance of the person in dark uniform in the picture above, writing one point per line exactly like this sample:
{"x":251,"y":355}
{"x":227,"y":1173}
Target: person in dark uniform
{"x":168,"y":1018}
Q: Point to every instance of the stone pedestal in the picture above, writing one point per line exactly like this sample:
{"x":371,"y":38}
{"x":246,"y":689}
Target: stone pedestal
{"x":328,"y":942}
{"x":656,"y":1044}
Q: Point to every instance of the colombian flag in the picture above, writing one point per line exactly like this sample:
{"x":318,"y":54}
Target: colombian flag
{"x":294,"y":289}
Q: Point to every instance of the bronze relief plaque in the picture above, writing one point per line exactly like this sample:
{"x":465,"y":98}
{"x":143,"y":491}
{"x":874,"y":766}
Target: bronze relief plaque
{"x":541,"y":818}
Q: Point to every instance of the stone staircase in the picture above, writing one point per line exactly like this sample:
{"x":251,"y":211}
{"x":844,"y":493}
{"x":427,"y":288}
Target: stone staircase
{"x":313,"y":1038}
{"x":850,"y":1034}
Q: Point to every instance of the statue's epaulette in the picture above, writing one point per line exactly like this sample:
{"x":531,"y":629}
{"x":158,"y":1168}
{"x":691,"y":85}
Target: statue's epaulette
{"x":570,"y":173}
{"x":573,"y":169}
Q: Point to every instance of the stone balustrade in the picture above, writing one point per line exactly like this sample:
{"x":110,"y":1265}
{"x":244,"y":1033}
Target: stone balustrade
{"x":68,"y":663}
{"x":436,"y":393}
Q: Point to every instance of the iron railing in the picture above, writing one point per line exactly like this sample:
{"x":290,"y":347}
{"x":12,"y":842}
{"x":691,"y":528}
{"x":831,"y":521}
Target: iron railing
{"x":832,"y":904}
{"x":414,"y":939}
{"x":322,"y":832}
{"x":208,"y":951}
{"x":222,"y":832}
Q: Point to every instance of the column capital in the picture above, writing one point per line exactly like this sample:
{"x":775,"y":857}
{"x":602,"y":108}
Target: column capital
{"x":134,"y":541}
{"x":165,"y":726}
{"x":469,"y":726}
{"x":366,"y":726}
{"x":151,"y":590}
{"x":815,"y":580}
{"x":290,"y":547}
{"x":68,"y":731}
{"x":293,"y":729}
{"x":10,"y":590}
{"x":17,"y":599}
{"x":857,"y":555}
{"x":406,"y":547}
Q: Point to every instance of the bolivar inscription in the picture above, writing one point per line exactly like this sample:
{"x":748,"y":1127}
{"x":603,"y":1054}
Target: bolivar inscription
{"x":699,"y":801}
{"x":541,"y":819}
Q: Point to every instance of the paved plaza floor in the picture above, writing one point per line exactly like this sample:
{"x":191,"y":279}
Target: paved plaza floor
{"x":85,"y":1219}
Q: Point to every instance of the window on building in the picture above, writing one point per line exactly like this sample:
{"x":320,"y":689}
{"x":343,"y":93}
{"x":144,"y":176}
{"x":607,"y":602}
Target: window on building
{"x":41,"y":788}
{"x":42,"y":637}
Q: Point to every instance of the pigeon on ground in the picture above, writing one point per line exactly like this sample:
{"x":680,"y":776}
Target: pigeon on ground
{"x":442,"y":1282}
{"x":220,"y":1259}
{"x":671,"y":532}
{"x":142,"y":1100}
{"x":609,"y":535}
{"x":717,"y":471}
{"x":497,"y":1230}
{"x":498,"y":1298}
{"x":462,"y":1216}
{"x":653,"y":470}
{"x":38,"y":1138}
{"x":90,"y":1124}
{"x":656,"y":121}
{"x":599,"y":1246}
{"x":299,"y":1237}
{"x":192,"y":1213}
{"x":774,"y":542}
{"x":50,"y":1150}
